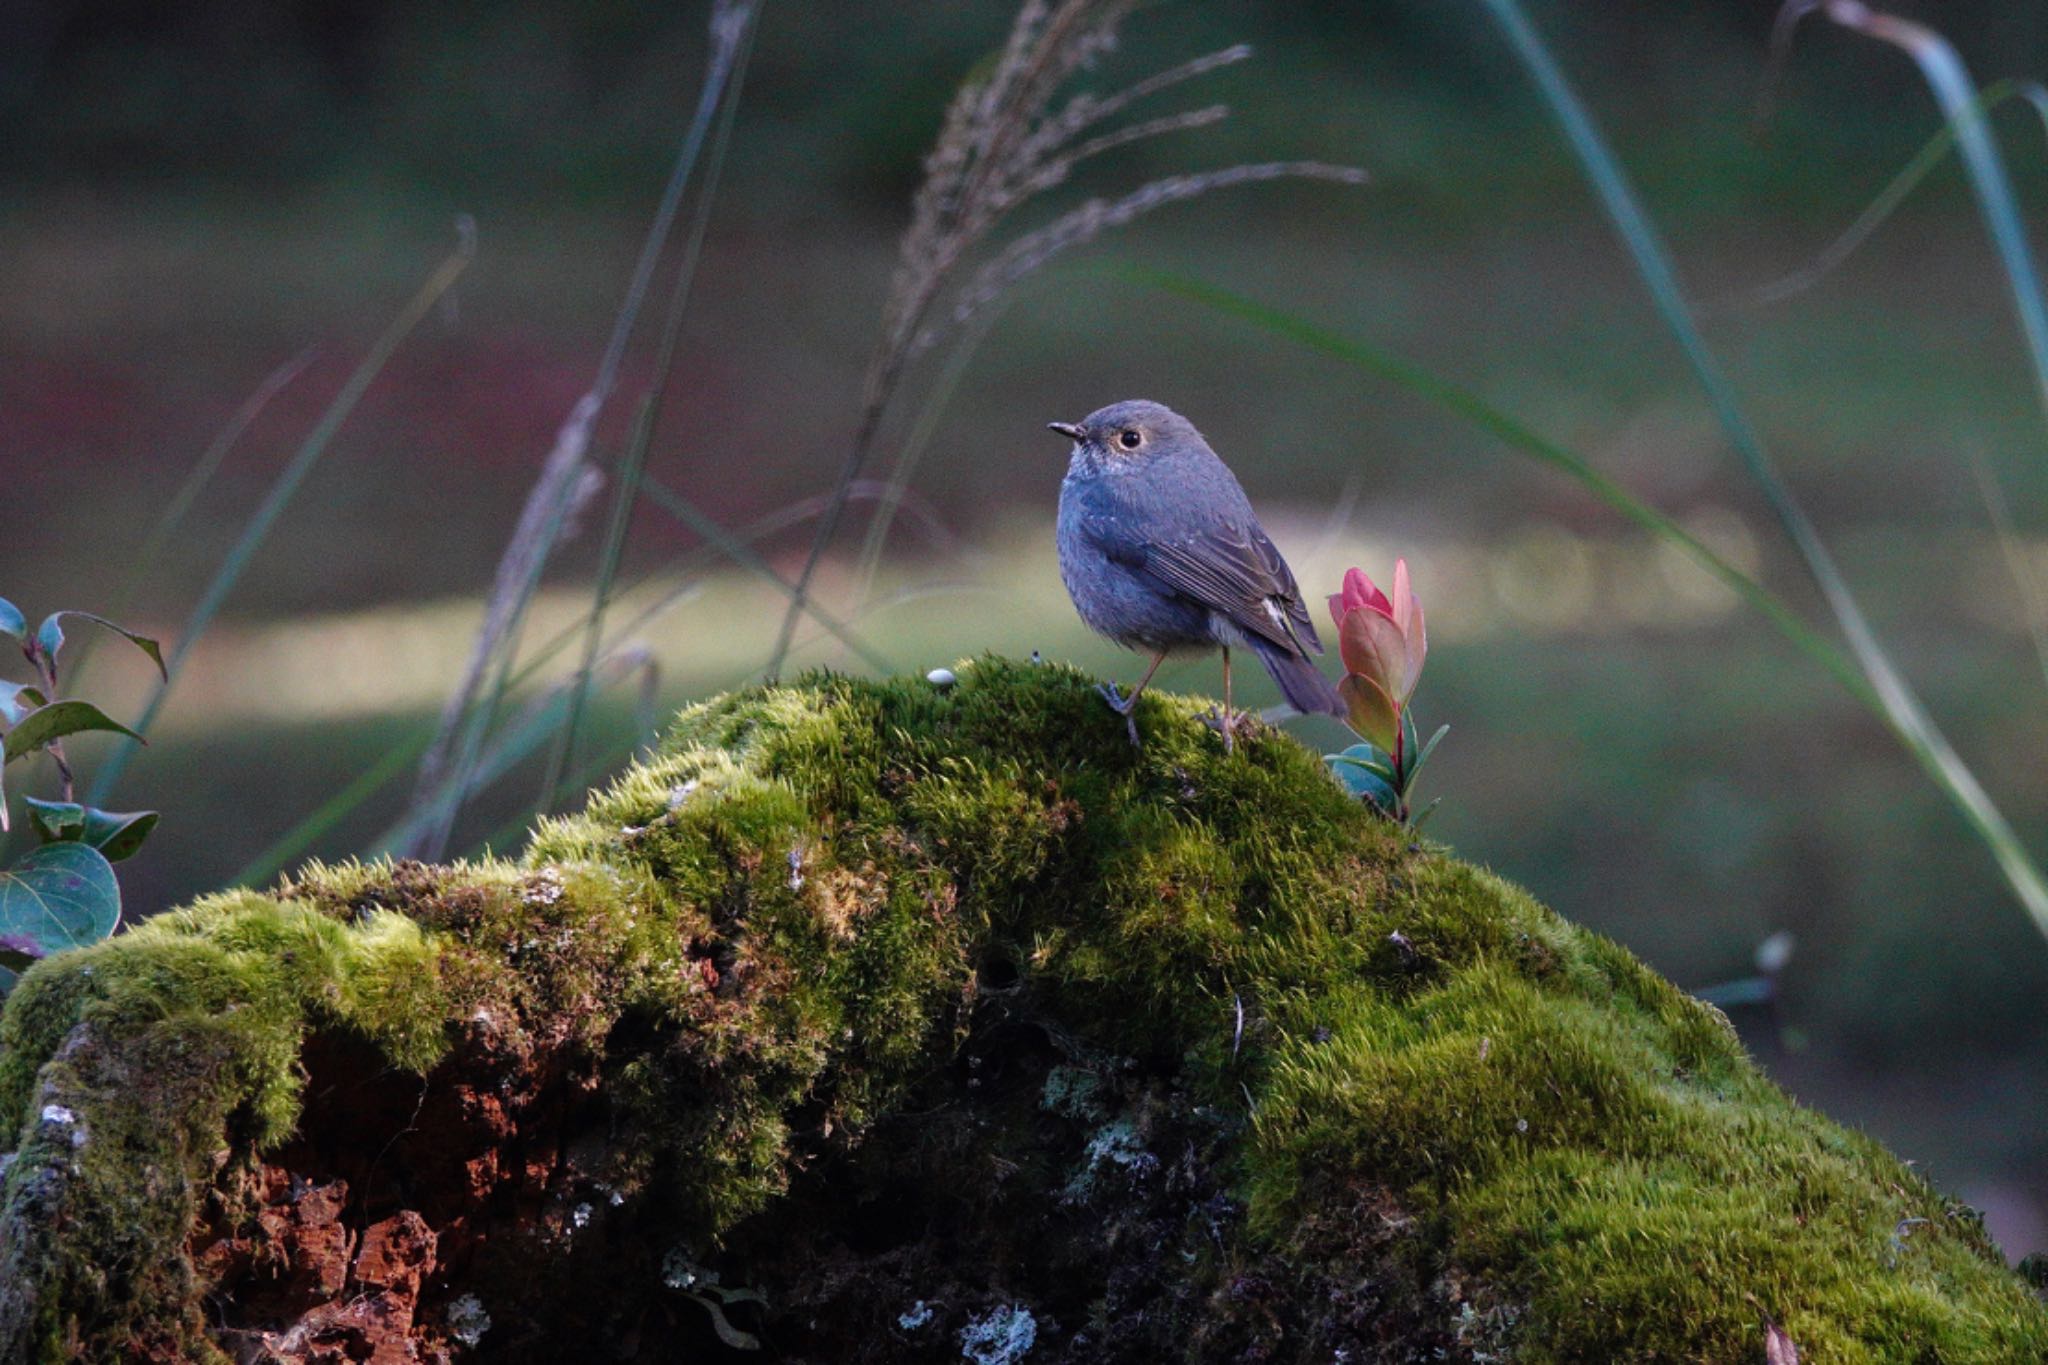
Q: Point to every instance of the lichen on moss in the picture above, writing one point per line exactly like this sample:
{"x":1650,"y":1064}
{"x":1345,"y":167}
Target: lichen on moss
{"x":1181,"y":1054}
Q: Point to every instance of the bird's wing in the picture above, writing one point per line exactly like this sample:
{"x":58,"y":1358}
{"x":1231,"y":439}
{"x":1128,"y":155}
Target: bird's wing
{"x":1234,"y":570}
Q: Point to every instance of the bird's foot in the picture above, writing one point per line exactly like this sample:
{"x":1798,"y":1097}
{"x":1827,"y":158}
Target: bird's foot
{"x":1113,"y":697}
{"x":1223,"y":723}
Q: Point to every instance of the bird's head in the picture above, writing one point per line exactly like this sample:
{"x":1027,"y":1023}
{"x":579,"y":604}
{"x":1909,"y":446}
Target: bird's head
{"x":1129,"y":433}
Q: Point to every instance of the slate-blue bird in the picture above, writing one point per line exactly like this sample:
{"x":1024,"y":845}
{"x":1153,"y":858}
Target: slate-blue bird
{"x":1161,"y":552}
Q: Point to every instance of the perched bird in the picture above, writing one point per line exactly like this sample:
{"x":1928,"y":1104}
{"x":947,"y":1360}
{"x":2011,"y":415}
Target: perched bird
{"x":1160,"y":551}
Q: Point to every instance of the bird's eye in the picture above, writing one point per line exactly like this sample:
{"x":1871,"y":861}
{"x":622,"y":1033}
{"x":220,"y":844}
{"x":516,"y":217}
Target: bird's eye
{"x":1128,"y":439}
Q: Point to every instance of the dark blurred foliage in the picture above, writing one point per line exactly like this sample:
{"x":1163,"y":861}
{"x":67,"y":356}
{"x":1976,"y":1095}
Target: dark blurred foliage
{"x":567,"y":100}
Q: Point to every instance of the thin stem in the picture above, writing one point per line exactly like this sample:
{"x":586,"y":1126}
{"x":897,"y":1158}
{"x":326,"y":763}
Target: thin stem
{"x":546,"y":511}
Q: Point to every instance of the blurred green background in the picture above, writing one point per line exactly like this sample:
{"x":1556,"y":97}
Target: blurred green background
{"x":191,"y":195}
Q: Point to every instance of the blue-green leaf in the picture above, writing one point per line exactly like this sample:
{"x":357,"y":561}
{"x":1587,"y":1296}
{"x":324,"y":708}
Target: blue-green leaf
{"x":1371,"y":757}
{"x":54,"y":821}
{"x":12,"y":622}
{"x":59,"y":896}
{"x":57,"y":720}
{"x":18,"y":699}
{"x":52,"y":636}
{"x":118,"y":834}
{"x":1359,"y":779}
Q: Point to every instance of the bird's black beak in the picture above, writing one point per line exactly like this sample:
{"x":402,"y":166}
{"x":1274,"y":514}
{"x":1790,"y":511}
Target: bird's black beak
{"x":1073,"y":431}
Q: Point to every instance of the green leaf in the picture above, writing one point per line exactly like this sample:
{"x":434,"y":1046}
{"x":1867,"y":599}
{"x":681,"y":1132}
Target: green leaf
{"x":52,"y":636}
{"x":18,"y":699}
{"x":1427,"y":750}
{"x":1417,"y":823}
{"x":12,"y":622}
{"x":57,"y":720}
{"x":54,"y":821}
{"x":59,"y":896}
{"x":118,"y":834}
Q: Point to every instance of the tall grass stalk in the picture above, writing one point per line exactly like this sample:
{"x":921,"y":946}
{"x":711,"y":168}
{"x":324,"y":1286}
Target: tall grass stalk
{"x":463,"y":720}
{"x":634,"y":462}
{"x":1902,"y":708}
{"x":259,"y":526}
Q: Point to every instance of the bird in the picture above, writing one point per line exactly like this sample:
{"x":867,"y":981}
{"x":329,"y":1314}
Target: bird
{"x":1161,"y":552}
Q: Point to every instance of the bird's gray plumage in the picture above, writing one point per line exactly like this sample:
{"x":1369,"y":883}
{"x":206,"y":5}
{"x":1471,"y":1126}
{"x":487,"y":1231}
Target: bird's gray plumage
{"x":1160,"y":550}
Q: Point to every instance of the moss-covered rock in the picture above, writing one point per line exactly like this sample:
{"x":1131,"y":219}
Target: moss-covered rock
{"x":873,"y":1022}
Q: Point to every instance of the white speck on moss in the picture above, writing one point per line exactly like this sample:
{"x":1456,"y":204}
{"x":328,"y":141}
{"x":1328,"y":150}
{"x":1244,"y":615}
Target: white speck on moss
{"x":1116,"y":1143}
{"x":467,"y":1320}
{"x":920,"y":1313}
{"x":1004,"y":1336}
{"x":1071,"y":1091}
{"x":58,"y":1116}
{"x":543,"y":888}
{"x":679,"y":1271}
{"x":941,"y":678}
{"x":580,"y":1215}
{"x":677,"y":795}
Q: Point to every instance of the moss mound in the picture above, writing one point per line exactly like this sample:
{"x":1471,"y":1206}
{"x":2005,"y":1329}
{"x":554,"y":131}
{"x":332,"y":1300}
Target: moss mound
{"x":875,"y":1022}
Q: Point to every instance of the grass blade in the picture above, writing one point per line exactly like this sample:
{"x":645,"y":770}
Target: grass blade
{"x":1946,"y":77}
{"x":1902,"y":707}
{"x":926,"y":424}
{"x":1940,"y":763}
{"x":194,"y":484}
{"x":735,"y":549}
{"x":1887,"y":202}
{"x":280,"y":495}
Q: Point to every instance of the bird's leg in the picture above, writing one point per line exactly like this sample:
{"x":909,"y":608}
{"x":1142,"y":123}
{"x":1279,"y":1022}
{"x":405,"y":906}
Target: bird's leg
{"x":1225,"y":723}
{"x":1127,"y":706}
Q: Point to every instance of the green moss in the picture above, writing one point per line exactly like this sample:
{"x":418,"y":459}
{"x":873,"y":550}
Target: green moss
{"x":775,"y":931}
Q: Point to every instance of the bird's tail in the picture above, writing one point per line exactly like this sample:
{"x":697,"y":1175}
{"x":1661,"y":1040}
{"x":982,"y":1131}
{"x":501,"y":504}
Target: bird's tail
{"x":1301,"y":682}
